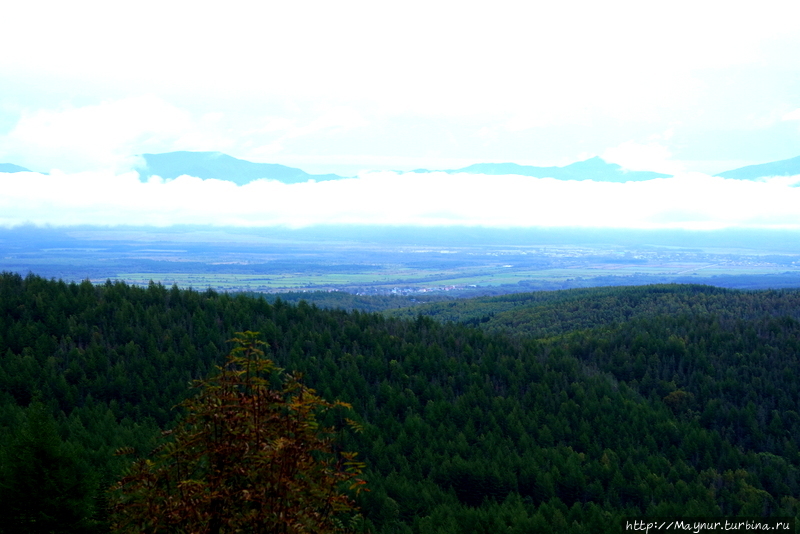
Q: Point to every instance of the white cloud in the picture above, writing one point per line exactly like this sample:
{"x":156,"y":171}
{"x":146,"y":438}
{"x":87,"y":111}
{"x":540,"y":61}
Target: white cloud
{"x":643,"y":157}
{"x":548,"y":58}
{"x":792,"y":116}
{"x":109,"y":134}
{"x":99,"y":136}
{"x":335,"y":119}
{"x":693,"y":201}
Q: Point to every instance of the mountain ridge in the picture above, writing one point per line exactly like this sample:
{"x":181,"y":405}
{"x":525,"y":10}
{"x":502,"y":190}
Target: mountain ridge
{"x":784,"y":167}
{"x":594,"y":168}
{"x":220,"y":166}
{"x":216,"y":165}
{"x":11,"y":168}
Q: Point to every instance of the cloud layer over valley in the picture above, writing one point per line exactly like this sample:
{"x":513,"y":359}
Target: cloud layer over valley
{"x":363,"y":89}
{"x":688,"y":201}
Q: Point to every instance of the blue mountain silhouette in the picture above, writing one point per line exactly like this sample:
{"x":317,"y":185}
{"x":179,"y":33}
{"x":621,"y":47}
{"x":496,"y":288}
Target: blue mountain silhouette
{"x":10,"y":167}
{"x":786,"y":167}
{"x":221,"y":167}
{"x":591,"y":169}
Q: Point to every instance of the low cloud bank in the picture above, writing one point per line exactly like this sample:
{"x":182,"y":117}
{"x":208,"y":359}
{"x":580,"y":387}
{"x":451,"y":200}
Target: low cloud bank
{"x":688,"y":201}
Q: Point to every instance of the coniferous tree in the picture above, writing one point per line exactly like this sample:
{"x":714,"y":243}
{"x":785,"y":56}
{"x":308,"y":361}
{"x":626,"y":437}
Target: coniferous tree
{"x":43,"y":488}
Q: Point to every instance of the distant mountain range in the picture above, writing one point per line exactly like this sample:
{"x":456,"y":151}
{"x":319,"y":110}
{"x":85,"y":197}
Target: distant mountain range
{"x":10,"y":167}
{"x":786,"y":167}
{"x":220,"y":166}
{"x":592,"y":169}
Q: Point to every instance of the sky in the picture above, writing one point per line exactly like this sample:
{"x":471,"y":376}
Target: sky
{"x":684,"y":88}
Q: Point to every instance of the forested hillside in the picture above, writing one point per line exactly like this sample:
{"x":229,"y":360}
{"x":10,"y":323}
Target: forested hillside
{"x":547,"y":313}
{"x":600,"y":405}
{"x":350,"y":301}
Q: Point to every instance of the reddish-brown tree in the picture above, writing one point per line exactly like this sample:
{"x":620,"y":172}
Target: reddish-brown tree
{"x":249,"y":456}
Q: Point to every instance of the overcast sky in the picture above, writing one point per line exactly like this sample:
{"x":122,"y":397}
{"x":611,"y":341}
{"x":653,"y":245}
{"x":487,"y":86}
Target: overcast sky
{"x":348,"y":86}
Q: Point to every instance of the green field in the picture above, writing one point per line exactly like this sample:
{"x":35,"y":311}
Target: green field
{"x":406,"y":261}
{"x":388,"y":277}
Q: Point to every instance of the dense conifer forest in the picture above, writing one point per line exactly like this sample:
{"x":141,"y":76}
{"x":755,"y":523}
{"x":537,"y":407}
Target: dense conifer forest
{"x":544,"y":412}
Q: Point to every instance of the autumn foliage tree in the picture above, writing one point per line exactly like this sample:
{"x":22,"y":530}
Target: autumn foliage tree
{"x":250,"y":455}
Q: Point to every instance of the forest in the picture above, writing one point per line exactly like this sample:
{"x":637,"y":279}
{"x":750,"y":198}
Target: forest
{"x":564,"y":411}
